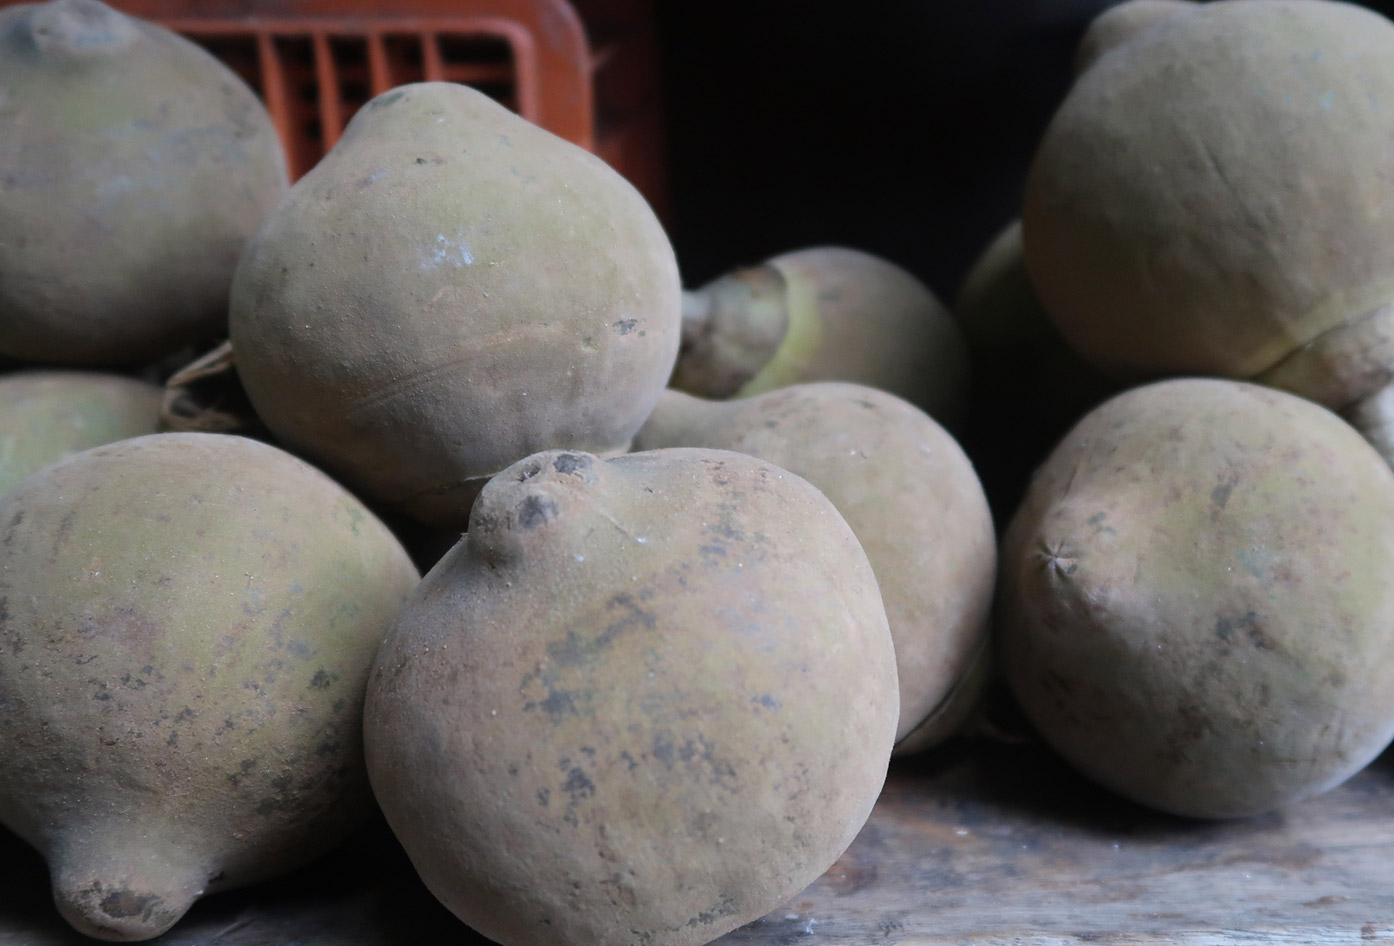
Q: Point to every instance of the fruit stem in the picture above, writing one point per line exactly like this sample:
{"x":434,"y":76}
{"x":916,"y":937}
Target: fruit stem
{"x":731,"y":328}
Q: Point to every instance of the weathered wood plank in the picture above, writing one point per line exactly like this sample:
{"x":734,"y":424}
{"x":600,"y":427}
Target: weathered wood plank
{"x":1007,"y":846}
{"x":978,"y":845}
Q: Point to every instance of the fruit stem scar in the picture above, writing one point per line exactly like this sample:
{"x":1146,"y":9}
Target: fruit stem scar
{"x":1059,"y":559}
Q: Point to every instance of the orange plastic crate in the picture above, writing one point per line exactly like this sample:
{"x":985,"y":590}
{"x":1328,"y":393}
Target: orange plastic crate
{"x":314,"y":64}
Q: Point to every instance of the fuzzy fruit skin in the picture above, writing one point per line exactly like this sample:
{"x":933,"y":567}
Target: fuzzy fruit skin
{"x":1118,"y":24}
{"x":1195,"y":602}
{"x":135,"y":165}
{"x":48,"y":415}
{"x":1214,"y":194}
{"x":1017,"y":354}
{"x":996,"y":306}
{"x":1026,"y":378}
{"x":914,"y":502}
{"x":449,"y":290}
{"x":187,"y":623}
{"x":645,"y":700}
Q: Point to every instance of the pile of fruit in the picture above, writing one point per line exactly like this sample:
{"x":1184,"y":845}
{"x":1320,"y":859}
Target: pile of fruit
{"x":696,"y":563}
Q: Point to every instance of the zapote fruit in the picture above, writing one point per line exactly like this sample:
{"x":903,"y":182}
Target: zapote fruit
{"x":188,"y":622}
{"x":1026,"y":378}
{"x":135,"y":166}
{"x":1195,"y":603}
{"x":1013,"y":343}
{"x":1214,"y":196}
{"x":46,"y":415}
{"x":449,"y":290}
{"x":911,"y":497}
{"x":644,"y":700}
{"x":823,"y":313}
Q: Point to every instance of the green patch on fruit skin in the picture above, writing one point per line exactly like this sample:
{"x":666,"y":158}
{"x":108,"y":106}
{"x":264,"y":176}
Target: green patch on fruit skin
{"x":1097,"y":521}
{"x":355,"y":516}
{"x":1258,"y":561}
{"x":47,"y":415}
{"x":389,"y":98}
{"x":346,"y":614}
{"x":791,"y":362}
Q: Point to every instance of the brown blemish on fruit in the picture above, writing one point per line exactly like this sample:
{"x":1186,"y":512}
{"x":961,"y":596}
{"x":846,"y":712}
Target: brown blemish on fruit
{"x":123,"y":904}
{"x":578,"y":784}
{"x":537,"y":509}
{"x":670,"y":752}
{"x":707,"y":917}
{"x":576,"y":650}
{"x":571,"y":463}
{"x":1219,"y":496}
{"x":557,"y":703}
{"x":1227,"y":630}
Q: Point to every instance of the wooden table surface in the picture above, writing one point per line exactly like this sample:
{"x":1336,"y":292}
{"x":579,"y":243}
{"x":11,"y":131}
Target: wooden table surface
{"x":977,"y":843}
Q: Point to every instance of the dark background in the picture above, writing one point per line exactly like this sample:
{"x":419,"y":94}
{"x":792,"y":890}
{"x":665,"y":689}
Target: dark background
{"x":901,"y":128}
